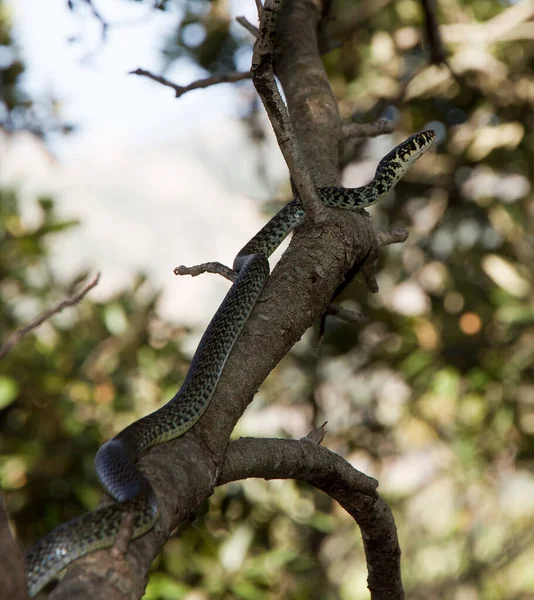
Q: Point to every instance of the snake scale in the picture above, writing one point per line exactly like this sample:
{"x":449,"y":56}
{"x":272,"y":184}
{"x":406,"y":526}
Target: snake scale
{"x":116,"y":460}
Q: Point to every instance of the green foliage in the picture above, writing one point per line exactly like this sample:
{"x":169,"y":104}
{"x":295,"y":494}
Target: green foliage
{"x":70,"y":384}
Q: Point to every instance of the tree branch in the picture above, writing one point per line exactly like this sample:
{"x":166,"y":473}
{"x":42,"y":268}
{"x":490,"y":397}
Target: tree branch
{"x":356,"y":493}
{"x":365,"y":130}
{"x":215,"y":267}
{"x":184,"y":471}
{"x":180,"y":90}
{"x":351,"y":316}
{"x":47,"y":314}
{"x":244,"y":22}
{"x":353,"y":135}
{"x":393,"y":236}
{"x":265,"y":83}
{"x":98,"y":16}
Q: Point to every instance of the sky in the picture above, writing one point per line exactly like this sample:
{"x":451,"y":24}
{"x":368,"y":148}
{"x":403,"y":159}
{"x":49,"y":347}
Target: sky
{"x":65,"y":56}
{"x":156,"y":181}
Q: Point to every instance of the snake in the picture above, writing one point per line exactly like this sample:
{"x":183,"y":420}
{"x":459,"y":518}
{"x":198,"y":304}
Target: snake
{"x":116,"y":461}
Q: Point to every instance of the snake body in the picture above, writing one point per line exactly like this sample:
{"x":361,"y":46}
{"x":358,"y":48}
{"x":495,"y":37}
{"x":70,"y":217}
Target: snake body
{"x":116,"y":460}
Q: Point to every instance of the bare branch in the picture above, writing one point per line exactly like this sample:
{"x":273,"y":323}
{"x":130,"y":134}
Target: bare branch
{"x":365,"y":130}
{"x":210,"y":267}
{"x":369,"y":277}
{"x":353,"y":135}
{"x":270,"y":458}
{"x":98,"y":16}
{"x":355,"y":492}
{"x":383,"y":238}
{"x":39,"y":320}
{"x":180,"y":90}
{"x":394,"y":236}
{"x":248,"y":25}
{"x":351,"y":316}
{"x":264,"y":81}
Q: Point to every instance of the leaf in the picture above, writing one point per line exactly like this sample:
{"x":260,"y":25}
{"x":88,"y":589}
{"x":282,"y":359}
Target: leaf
{"x":9,"y":390}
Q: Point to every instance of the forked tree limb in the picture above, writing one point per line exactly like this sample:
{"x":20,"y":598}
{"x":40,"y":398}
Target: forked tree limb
{"x":183,"y":472}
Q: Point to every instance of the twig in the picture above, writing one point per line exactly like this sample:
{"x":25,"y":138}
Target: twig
{"x":394,"y":236}
{"x":365,"y":130}
{"x":210,"y":267}
{"x":248,"y":26}
{"x":351,"y":316}
{"x":383,"y":238}
{"x":438,"y":55}
{"x":369,"y":277}
{"x":20,"y":333}
{"x":196,"y":85}
{"x":120,"y":546}
{"x":264,"y":81}
{"x":354,"y":134}
{"x":96,"y":14}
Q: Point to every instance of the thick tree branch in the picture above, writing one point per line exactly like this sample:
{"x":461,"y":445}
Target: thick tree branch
{"x":44,"y":316}
{"x":302,"y":459}
{"x":184,"y":471}
{"x":356,"y":492}
{"x":311,"y":103}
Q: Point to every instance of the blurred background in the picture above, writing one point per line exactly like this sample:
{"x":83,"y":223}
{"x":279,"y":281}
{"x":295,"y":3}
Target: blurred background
{"x":434,"y":396}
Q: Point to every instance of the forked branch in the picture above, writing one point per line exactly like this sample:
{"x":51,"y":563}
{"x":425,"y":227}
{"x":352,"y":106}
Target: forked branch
{"x":180,"y":90}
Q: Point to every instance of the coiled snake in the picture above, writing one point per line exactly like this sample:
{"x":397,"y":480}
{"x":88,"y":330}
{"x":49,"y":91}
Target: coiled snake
{"x":116,"y":460}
